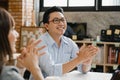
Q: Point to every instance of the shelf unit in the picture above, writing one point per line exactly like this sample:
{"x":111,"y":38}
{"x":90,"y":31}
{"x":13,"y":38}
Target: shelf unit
{"x":106,"y":67}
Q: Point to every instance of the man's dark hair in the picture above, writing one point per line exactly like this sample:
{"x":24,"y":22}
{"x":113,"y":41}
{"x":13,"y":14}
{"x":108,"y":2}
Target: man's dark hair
{"x":46,"y":15}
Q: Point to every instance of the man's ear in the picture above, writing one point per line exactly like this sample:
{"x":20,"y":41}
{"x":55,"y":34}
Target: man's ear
{"x":46,"y":26}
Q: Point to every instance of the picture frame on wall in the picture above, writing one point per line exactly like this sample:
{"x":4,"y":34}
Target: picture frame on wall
{"x":30,"y":32}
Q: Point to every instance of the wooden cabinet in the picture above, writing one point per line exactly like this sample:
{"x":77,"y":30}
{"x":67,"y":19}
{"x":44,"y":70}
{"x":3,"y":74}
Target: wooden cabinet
{"x":107,"y":58}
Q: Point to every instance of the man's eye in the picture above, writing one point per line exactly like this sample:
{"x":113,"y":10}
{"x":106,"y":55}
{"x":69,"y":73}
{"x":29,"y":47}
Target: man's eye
{"x":62,"y":19}
{"x":56,"y":19}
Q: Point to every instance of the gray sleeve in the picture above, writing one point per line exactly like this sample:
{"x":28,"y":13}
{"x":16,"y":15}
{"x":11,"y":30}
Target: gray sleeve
{"x":11,"y":74}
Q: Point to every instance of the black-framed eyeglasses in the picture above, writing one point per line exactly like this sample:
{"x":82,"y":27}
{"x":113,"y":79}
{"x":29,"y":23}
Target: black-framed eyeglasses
{"x":57,"y":20}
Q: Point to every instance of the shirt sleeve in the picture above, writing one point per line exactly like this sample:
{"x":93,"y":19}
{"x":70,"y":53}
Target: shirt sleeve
{"x":79,"y":67}
{"x":11,"y":74}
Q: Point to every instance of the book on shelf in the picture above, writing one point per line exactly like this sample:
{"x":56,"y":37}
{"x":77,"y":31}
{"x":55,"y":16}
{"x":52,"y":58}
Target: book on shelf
{"x":119,"y":56}
{"x":116,"y":54}
{"x":113,"y":55}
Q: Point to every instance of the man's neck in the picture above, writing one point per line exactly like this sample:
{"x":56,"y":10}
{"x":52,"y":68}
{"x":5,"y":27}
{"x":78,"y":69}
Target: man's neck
{"x":57,"y":39}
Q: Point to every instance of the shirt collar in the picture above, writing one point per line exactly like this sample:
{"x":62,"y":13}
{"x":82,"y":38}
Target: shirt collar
{"x":52,"y":42}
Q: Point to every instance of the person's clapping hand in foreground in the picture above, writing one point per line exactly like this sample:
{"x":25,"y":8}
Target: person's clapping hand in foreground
{"x":29,"y":58}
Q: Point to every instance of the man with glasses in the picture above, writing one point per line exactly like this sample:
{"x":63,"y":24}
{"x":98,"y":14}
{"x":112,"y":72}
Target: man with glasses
{"x":62,"y":54}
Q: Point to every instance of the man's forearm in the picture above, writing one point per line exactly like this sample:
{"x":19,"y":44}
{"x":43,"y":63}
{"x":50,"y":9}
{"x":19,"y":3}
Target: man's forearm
{"x":71,"y":65}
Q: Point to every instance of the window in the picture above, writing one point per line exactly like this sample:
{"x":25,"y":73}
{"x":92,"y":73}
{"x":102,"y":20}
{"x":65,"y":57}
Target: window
{"x":82,"y":5}
{"x":109,"y":5}
{"x":49,"y":3}
{"x":69,"y":5}
{"x":73,"y":3}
